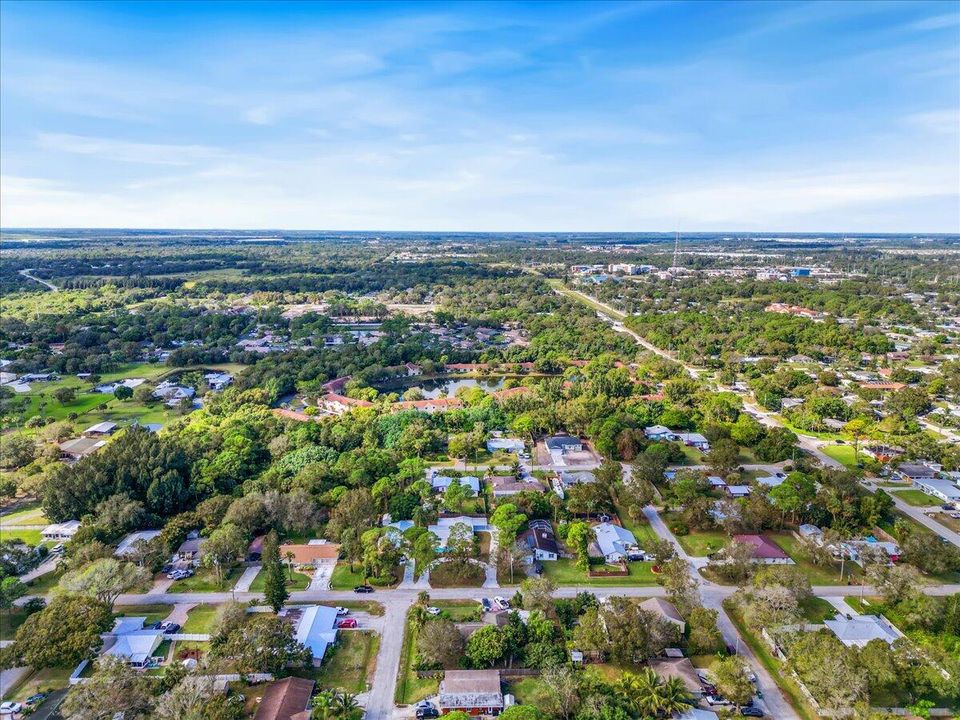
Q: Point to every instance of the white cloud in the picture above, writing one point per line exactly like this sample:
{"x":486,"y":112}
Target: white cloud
{"x":123,"y":151}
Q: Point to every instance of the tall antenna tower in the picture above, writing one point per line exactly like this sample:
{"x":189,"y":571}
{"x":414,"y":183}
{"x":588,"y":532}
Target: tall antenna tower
{"x":676,"y":249}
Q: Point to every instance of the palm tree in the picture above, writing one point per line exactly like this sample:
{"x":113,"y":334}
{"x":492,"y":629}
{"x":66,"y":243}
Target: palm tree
{"x":289,"y":555}
{"x":650,"y":696}
{"x":673,"y":697}
{"x":345,"y":704}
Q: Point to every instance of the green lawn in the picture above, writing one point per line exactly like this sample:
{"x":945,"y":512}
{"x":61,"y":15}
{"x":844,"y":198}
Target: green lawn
{"x":816,"y":610}
{"x":43,"y":584}
{"x":410,"y":688}
{"x":460,"y":610}
{"x":31,"y":514}
{"x":45,"y":680}
{"x":531,"y":691}
{"x":30,"y":537}
{"x":565,"y":572}
{"x":818,"y":575}
{"x":841,"y":453}
{"x":368,"y":606}
{"x":447,"y":574}
{"x":916,"y":497}
{"x":700,"y":543}
{"x":641,"y":529}
{"x":10,"y":620}
{"x":205,"y":580}
{"x":299,"y":582}
{"x":349,"y":665}
{"x":200,"y":619}
{"x":344,"y":578}
{"x":153,"y":613}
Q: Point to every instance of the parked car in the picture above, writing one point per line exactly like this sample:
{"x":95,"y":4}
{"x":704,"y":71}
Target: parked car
{"x":57,"y":549}
{"x":433,"y":610}
{"x":169,"y":628}
{"x":363,"y":589}
{"x":36,"y":699}
{"x":717,"y":700}
{"x":501,"y":603}
{"x":427,"y":712}
{"x":751,"y":712}
{"x":487,"y":606}
{"x":347,"y":623}
{"x":10,"y":708}
{"x":342,"y":610}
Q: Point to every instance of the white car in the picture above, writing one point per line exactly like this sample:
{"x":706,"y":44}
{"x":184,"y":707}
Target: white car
{"x":10,"y":708}
{"x":433,"y":610}
{"x":341,"y":611}
{"x":501,"y":603}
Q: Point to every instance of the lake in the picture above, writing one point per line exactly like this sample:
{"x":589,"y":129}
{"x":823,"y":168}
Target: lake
{"x":444,"y":387}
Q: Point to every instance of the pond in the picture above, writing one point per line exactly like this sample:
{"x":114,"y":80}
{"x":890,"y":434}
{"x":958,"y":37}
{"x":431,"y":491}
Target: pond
{"x":444,"y":387}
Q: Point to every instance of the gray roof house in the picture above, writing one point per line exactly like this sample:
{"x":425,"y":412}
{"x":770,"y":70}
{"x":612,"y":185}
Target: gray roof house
{"x":476,"y":692}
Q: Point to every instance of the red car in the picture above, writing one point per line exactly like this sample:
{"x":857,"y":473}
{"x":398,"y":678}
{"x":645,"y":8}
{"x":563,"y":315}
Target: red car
{"x":347,"y":623}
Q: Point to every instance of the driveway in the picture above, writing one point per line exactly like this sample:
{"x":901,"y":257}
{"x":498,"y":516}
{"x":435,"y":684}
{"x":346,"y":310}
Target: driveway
{"x":249,"y":574}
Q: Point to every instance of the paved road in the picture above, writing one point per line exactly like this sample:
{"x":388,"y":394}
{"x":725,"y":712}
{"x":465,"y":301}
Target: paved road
{"x":49,"y":285}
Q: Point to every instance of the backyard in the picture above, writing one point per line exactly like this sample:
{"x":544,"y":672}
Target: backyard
{"x":350,"y":662}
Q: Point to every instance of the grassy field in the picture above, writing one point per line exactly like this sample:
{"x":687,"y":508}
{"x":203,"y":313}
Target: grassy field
{"x":818,"y":575}
{"x":841,"y":453}
{"x":410,"y":688}
{"x":531,"y":691}
{"x":459,"y":610}
{"x":350,"y":664}
{"x":344,"y":578}
{"x":441,"y":576}
{"x":367,"y":606}
{"x":299,"y":582}
{"x":44,"y":584}
{"x":153,"y":613}
{"x":200,"y":619}
{"x":205,"y":580}
{"x":700,"y":543}
{"x":10,"y":620}
{"x":30,"y":514}
{"x":29,"y":536}
{"x":44,"y":680}
{"x":916,"y":497}
{"x":565,"y":572}
{"x":816,"y":610}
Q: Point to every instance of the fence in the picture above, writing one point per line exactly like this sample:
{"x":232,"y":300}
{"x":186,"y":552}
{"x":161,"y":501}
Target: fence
{"x":504,"y":673}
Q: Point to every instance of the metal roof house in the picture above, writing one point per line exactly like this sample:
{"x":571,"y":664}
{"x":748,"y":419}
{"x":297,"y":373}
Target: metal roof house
{"x":476,"y":692}
{"x":858,"y":631}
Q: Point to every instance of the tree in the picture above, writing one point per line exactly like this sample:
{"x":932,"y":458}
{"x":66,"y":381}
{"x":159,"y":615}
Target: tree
{"x":538,"y":595}
{"x":440,"y":643}
{"x":64,"y":395}
{"x":562,"y":686}
{"x":724,"y":456}
{"x":62,"y":634}
{"x":508,"y":521}
{"x":264,"y":644}
{"x":682,"y":589}
{"x":732,"y":681}
{"x":634,"y":634}
{"x":828,"y":670}
{"x":650,"y":696}
{"x":118,"y":515}
{"x":486,"y":646}
{"x":195,"y":697}
{"x":579,"y":537}
{"x":662,"y":552}
{"x":705,"y":637}
{"x":522,"y":712}
{"x":275,"y":586}
{"x":104,"y":579}
{"x":122,"y":392}
{"x":10,"y":589}
{"x":456,"y":495}
{"x":336,"y":705}
{"x":590,"y":635}
{"x":356,"y":509}
{"x":16,"y":451}
{"x":113,"y":688}
{"x":223,"y":549}
{"x":734,"y":562}
{"x":228,"y":617}
{"x":895,"y":583}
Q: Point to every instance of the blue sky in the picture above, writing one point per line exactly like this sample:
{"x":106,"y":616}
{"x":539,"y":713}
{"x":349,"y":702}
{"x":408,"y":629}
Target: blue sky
{"x":439,"y":116}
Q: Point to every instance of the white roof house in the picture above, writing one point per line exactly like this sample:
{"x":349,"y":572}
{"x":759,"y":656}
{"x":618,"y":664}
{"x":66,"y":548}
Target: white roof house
{"x":317,"y":628}
{"x":771,"y":481}
{"x":513,"y":445}
{"x":101,"y":428}
{"x":698,"y":714}
{"x":738,"y":491}
{"x":613,"y":541}
{"x":60,"y":531}
{"x":445,"y":524}
{"x":442,"y":482}
{"x":126,"y":545}
{"x":858,"y":631}
{"x":657,"y":432}
{"x":946,"y":490}
{"x":132,"y":642}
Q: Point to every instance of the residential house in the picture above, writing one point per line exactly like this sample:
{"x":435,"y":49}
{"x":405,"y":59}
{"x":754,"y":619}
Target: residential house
{"x":341,"y":404}
{"x":287,"y":699}
{"x":771,"y":481}
{"x":564,"y":444}
{"x":128,"y":544}
{"x":940,"y":488}
{"x":444,"y":525}
{"x":101,"y":429}
{"x":475,"y":692}
{"x":682,"y":669}
{"x":868,"y":549}
{"x":255,"y":549}
{"x":911,"y":472}
{"x":58,"y":532}
{"x":412,"y":370}
{"x":765,"y":550}
{"x":697,"y":714}
{"x":315,"y":627}
{"x":505,"y":485}
{"x":189,"y":550}
{"x":130,"y":641}
{"x":695,"y":440}
{"x":614,"y":543}
{"x":859,"y":630}
{"x":512,"y":445}
{"x":312,"y":555}
{"x":738,"y":491}
{"x":882,"y":453}
{"x":716,"y":482}
{"x":440,"y":483}
{"x":73,"y":450}
{"x":541,"y":540}
{"x":666,"y":610}
{"x":217,"y":381}
{"x":810,"y":532}
{"x":658,"y":432}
